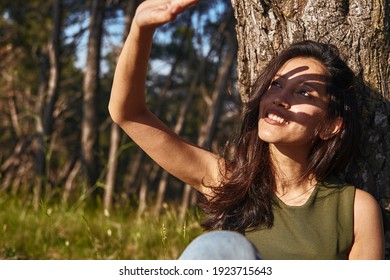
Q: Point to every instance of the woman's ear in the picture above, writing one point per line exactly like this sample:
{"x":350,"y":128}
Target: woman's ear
{"x":332,"y":129}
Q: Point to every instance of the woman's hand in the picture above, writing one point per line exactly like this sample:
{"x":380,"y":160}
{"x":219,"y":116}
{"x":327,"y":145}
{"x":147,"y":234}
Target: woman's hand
{"x":153,"y":13}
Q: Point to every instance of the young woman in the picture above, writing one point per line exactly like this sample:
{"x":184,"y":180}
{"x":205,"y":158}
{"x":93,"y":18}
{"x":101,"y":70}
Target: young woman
{"x":299,"y":128}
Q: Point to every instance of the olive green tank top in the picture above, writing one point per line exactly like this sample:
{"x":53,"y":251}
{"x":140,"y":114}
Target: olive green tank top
{"x":322,"y":228}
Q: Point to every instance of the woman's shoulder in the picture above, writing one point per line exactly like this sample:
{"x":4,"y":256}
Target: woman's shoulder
{"x":368,"y":228}
{"x":365,"y":204}
{"x":365,"y":197}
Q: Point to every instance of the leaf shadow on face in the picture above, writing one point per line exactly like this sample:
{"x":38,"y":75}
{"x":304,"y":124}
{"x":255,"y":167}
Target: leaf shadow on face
{"x":286,"y":94}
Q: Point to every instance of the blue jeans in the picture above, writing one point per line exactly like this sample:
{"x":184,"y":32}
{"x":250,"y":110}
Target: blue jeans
{"x":220,"y":245}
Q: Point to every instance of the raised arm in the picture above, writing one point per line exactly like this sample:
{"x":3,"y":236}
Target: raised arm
{"x":127,"y":107}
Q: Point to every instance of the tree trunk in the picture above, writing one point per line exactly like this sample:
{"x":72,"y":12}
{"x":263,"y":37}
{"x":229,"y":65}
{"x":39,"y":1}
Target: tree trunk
{"x":89,"y":125}
{"x":54,"y":74}
{"x":47,"y":95}
{"x":115,"y":134}
{"x":70,"y":181}
{"x":53,"y":83}
{"x":142,"y":196}
{"x":133,"y":168}
{"x":161,"y":190}
{"x":40,"y":144}
{"x":12,"y":106}
{"x":360,"y":29}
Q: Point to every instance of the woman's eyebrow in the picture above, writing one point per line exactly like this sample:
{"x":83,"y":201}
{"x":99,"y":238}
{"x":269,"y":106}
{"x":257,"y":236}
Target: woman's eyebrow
{"x":317,"y":86}
{"x":279,"y":77}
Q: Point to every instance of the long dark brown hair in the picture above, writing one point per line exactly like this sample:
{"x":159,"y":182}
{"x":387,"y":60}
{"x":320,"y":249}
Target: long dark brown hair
{"x":244,"y":198}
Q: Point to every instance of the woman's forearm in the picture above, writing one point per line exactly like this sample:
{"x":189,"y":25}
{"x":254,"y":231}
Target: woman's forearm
{"x":128,"y":90}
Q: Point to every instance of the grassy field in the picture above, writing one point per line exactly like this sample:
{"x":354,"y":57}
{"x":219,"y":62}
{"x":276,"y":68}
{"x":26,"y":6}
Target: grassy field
{"x":81,"y":232}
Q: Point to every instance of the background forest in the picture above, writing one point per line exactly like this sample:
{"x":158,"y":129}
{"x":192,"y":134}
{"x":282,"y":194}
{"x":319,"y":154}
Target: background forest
{"x":59,"y":148}
{"x":72,"y":185}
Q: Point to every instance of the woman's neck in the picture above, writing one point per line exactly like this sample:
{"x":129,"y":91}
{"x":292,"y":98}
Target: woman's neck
{"x":293,"y":185}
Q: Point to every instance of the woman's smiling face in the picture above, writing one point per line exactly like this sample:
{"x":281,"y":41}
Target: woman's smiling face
{"x":294,"y":108}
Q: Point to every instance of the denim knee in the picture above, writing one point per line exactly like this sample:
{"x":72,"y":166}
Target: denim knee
{"x":220,"y":245}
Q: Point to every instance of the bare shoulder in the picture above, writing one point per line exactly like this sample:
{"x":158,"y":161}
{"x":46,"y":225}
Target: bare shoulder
{"x":368,"y":228}
{"x":365,"y":203}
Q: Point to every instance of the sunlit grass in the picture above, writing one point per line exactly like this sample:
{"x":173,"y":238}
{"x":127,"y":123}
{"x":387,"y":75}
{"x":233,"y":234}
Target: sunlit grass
{"x":57,"y":232}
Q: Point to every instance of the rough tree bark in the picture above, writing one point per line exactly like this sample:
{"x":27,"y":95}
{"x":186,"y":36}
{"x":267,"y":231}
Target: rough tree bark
{"x":361,"y":30}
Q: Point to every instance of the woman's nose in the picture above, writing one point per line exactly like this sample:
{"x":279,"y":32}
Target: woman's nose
{"x":281,"y":102}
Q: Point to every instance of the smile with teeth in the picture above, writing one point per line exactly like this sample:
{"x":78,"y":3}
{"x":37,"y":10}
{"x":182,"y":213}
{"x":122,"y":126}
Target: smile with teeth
{"x":277,"y":119}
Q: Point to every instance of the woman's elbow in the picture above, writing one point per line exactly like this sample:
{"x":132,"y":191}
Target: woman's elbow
{"x":115,"y":113}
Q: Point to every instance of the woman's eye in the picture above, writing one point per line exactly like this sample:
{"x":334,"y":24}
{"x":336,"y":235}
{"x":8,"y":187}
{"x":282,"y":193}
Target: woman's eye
{"x":304,"y":93}
{"x":275,"y":84}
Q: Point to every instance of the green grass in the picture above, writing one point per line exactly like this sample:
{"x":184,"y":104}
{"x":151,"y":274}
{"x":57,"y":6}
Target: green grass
{"x":57,"y":232}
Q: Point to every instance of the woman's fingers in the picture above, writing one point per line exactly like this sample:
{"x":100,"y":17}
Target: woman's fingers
{"x":178,"y":6}
{"x":153,"y":13}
